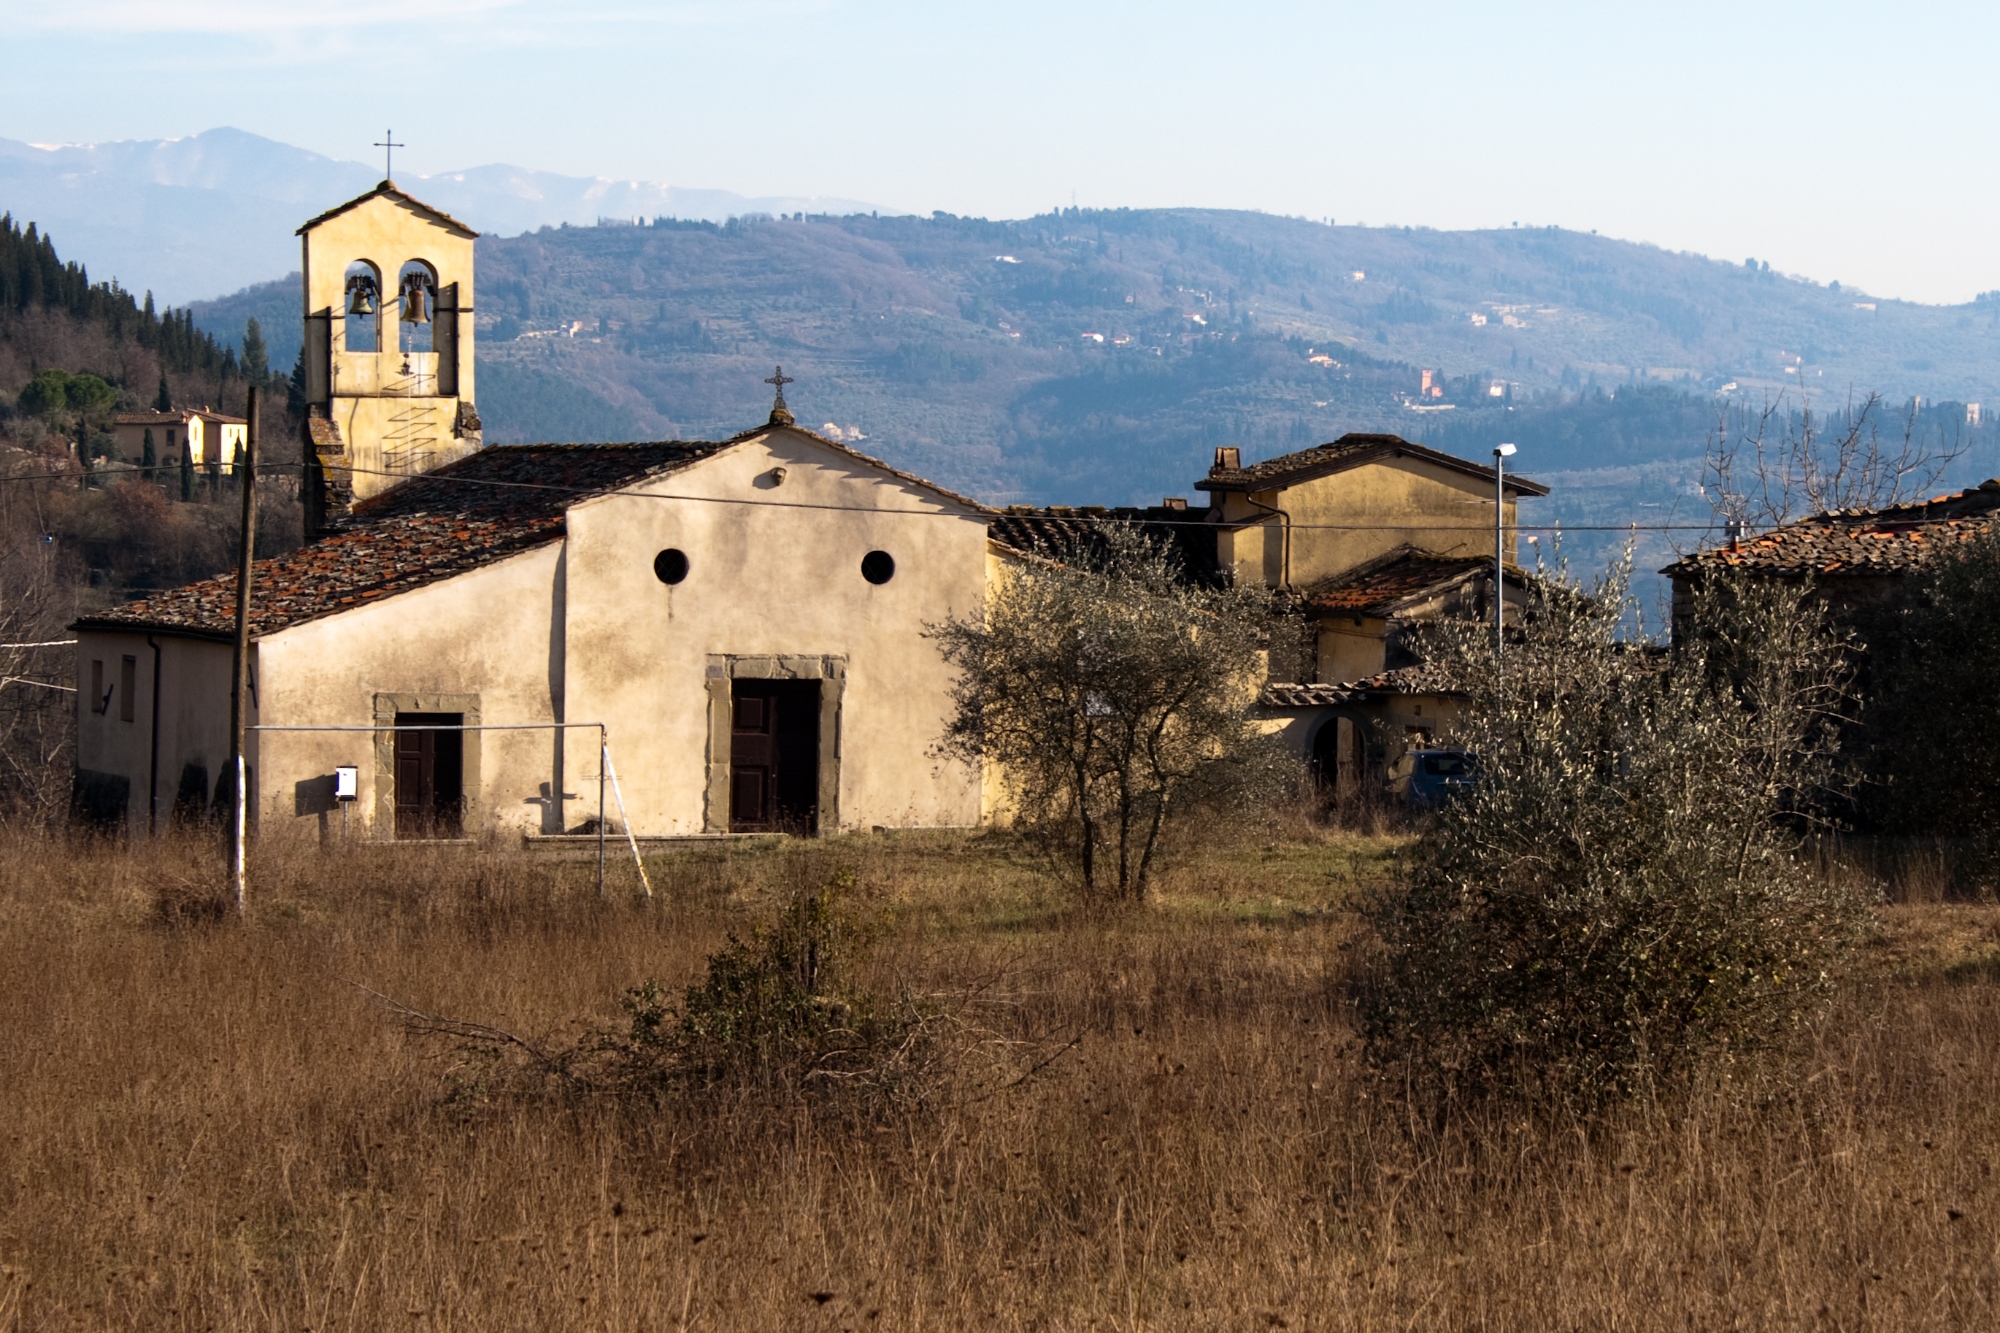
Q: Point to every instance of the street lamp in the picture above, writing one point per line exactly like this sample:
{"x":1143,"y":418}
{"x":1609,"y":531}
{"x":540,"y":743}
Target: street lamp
{"x":1501,"y":453}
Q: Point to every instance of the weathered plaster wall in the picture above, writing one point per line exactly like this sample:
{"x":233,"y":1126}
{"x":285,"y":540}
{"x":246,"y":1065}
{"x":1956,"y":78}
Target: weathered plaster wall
{"x":492,"y":633}
{"x":776,"y":582}
{"x":1350,"y":648}
{"x":193,"y":712}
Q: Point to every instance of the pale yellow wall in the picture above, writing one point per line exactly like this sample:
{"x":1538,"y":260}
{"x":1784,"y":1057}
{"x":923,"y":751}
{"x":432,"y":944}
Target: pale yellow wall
{"x":1370,"y":510}
{"x":380,"y":409}
{"x":194,"y":436}
{"x":486,"y":633}
{"x":783,"y":582}
{"x":1350,"y":651}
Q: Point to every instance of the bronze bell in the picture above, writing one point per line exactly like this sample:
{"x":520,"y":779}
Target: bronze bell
{"x":416,"y":300}
{"x":361,"y":295}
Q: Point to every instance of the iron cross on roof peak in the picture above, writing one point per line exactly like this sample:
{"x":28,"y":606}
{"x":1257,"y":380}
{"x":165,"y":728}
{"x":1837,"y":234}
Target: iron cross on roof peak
{"x":388,"y":145}
{"x":780,"y":414}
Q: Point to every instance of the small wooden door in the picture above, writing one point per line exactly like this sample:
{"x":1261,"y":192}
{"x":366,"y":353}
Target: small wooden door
{"x":774,"y":757}
{"x":430,"y":776}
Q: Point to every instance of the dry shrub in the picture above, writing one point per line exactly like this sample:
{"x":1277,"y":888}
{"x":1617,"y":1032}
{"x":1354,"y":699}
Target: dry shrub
{"x":780,"y":1015}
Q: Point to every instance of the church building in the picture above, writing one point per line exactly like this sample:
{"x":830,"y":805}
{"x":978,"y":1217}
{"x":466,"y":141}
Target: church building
{"x":738,"y":626}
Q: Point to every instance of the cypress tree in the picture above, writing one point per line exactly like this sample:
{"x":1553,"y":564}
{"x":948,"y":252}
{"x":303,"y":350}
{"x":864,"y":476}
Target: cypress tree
{"x":187,"y":472}
{"x":163,"y":401}
{"x":149,"y":458}
{"x":256,"y":357}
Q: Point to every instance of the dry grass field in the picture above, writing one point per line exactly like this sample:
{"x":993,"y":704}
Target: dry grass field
{"x":207,"y":1124}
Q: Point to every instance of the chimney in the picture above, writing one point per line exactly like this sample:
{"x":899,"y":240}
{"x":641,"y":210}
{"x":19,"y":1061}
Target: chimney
{"x":1174,"y":502}
{"x":328,"y":489}
{"x":1227,"y":459}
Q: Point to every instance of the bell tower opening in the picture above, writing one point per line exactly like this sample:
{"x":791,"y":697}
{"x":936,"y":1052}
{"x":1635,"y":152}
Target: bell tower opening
{"x":363,"y":308}
{"x":416,"y":298}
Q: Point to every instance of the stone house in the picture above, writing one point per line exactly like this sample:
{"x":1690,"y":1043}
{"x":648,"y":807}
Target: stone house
{"x":1858,"y":559}
{"x":1368,"y":536}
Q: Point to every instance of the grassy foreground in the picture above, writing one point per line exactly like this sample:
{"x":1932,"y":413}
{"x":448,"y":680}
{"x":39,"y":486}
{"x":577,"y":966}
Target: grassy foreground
{"x":213,"y":1125}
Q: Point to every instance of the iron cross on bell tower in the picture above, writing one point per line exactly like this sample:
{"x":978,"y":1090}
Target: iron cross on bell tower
{"x":780,"y":414}
{"x":389,"y":147}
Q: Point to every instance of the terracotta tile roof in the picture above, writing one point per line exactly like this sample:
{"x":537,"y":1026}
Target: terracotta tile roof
{"x":1380,"y":586}
{"x":1423,"y":678}
{"x":174,"y":418}
{"x":1348,"y":451}
{"x":481,"y":509}
{"x":1856,"y":542}
{"x":1058,"y":530}
{"x":388,"y":190}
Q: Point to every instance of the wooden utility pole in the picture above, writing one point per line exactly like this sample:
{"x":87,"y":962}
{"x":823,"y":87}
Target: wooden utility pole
{"x":239,"y":687}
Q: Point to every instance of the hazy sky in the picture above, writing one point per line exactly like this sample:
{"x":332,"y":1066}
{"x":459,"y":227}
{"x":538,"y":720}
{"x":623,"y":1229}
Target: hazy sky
{"x":1844,"y":141}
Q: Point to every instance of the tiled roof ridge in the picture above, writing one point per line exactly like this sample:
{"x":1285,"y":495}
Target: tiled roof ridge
{"x":175,"y":414}
{"x":1991,"y":487}
{"x":1380,"y":584}
{"x":1890,"y":540}
{"x":427,"y":529}
{"x":1349,"y":450}
{"x":1419,"y":678}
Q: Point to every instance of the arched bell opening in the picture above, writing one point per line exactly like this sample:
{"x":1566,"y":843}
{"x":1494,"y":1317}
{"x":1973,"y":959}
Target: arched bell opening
{"x":416,"y":301}
{"x":362,"y":307}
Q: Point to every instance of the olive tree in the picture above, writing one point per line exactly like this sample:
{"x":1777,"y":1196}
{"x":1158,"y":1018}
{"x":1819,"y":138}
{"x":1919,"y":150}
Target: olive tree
{"x":1627,"y":889}
{"x":1113,"y":694}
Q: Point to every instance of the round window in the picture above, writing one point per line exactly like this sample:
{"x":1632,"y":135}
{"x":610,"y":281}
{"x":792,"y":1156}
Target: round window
{"x":878,"y":566}
{"x":670,"y":566}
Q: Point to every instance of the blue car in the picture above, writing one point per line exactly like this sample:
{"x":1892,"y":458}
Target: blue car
{"x":1426,"y":779}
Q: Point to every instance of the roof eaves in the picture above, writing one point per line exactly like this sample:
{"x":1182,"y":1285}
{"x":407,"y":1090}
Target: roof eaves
{"x":102,"y":625}
{"x":1244,"y":480}
{"x":389,"y":190}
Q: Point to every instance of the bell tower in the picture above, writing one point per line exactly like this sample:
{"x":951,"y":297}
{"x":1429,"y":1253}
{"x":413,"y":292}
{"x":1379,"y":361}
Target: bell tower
{"x":388,"y":348}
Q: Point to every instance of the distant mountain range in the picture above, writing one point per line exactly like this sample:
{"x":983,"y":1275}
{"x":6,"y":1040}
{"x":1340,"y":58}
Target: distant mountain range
{"x":214,"y":212}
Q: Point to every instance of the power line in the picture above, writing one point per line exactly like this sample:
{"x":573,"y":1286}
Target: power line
{"x":1106,"y":519}
{"x":1041,"y":516}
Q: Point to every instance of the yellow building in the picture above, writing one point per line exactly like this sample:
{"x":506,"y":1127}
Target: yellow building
{"x":389,"y":346}
{"x":1368,"y":536}
{"x":1375,"y":535}
{"x":205,"y":436}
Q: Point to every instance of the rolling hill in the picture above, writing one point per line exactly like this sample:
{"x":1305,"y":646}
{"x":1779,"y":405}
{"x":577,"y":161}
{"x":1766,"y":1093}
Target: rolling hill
{"x":1101,"y":354}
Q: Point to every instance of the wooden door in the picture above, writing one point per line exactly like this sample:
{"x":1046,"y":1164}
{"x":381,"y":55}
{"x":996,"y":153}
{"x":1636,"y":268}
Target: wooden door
{"x":774,"y":757}
{"x":430,"y":776}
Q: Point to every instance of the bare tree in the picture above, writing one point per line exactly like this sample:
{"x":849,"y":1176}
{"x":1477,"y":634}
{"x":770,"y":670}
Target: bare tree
{"x":1114,"y":696}
{"x":37,"y":703}
{"x":1781,"y":464}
